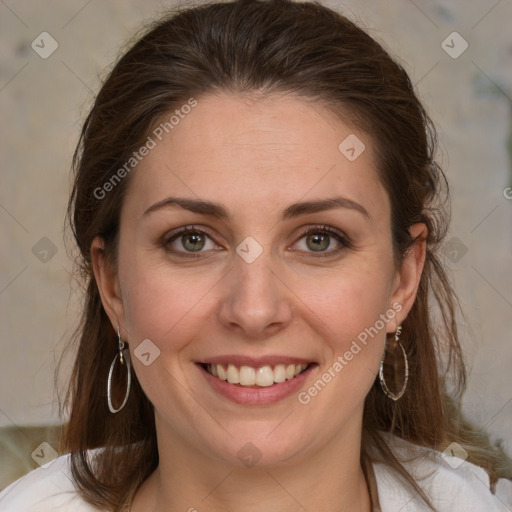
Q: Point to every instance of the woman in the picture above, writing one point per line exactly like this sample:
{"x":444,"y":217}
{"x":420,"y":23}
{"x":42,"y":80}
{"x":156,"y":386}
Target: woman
{"x":258,"y":213}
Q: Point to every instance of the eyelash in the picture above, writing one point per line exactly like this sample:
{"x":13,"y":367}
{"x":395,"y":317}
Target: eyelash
{"x":344,"y":242}
{"x":342,"y":239}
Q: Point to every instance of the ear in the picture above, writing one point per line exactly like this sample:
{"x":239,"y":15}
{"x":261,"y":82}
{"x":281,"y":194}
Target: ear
{"x":407,"y":279}
{"x":108,"y":283}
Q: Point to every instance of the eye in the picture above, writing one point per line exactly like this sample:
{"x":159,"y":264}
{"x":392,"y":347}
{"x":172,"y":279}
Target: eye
{"x":189,"y":240}
{"x":320,"y":239}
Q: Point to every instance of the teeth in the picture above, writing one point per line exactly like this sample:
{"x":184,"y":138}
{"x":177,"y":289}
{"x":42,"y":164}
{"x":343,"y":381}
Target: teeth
{"x":279,"y":373}
{"x":233,"y":376}
{"x":264,"y":376}
{"x":221,"y":373}
{"x":248,"y":376}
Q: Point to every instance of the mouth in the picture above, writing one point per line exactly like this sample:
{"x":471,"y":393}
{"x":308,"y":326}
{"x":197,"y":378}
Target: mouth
{"x":255,"y":376}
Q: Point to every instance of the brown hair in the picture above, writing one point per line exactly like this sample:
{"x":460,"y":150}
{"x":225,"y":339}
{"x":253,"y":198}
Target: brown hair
{"x":263,"y":47}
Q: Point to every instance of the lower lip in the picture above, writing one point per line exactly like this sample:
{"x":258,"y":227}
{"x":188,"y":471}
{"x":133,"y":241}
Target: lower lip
{"x":258,"y":395}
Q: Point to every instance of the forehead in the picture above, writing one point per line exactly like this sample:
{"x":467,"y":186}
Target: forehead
{"x":253,"y":153}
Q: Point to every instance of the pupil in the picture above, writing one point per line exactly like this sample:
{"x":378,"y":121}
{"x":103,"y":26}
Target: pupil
{"x":196,"y":242}
{"x":319,"y":242}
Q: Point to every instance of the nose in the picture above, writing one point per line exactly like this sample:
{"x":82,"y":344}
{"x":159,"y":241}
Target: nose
{"x":255,"y":302}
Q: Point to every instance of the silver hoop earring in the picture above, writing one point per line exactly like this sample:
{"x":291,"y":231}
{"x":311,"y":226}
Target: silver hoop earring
{"x":122,"y":359}
{"x":383,"y":384}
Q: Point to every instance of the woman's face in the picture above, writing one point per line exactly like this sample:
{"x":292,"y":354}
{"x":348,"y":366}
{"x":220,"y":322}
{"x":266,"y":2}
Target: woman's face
{"x":275,"y":250}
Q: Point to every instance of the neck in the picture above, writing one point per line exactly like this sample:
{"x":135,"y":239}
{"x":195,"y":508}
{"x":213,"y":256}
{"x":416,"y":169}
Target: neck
{"x":188,"y":480}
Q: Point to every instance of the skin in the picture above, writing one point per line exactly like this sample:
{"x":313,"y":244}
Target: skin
{"x":256,"y":156}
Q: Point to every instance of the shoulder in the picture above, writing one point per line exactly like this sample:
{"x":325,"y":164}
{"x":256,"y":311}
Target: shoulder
{"x":452,"y":483}
{"x":46,"y":489}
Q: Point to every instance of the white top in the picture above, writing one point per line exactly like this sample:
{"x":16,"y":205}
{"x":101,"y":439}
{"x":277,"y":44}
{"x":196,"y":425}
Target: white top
{"x":452,"y":484}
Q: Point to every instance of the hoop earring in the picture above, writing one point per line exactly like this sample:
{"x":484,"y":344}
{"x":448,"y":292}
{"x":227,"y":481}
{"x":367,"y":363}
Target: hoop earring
{"x":122,"y":359}
{"x":383,"y":384}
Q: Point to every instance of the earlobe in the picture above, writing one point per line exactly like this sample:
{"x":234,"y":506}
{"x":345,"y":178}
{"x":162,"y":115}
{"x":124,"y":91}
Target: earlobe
{"x":409,"y":274}
{"x":107,"y":283}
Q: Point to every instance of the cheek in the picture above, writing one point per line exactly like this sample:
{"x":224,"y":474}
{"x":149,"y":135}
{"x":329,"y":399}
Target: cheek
{"x":346,"y":302}
{"x":168,"y":305}
{"x":161,"y":304}
{"x":351,"y":313}
{"x":166,"y":308}
{"x":353,"y":334}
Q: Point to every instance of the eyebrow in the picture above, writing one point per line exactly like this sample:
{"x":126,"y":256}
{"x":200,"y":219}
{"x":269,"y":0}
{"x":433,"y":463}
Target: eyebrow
{"x":294,"y":210}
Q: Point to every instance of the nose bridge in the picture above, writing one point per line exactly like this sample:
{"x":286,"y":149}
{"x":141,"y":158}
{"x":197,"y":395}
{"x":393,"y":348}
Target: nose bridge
{"x":255,"y":301}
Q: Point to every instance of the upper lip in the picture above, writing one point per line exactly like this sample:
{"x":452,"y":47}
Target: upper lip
{"x":256,"y":362}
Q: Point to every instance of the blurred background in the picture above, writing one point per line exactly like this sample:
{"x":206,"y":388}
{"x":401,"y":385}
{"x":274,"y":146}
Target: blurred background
{"x":54,"y":56}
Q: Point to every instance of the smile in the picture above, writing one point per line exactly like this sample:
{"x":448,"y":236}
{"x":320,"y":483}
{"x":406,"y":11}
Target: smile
{"x":248,"y":376}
